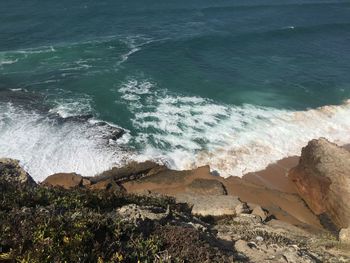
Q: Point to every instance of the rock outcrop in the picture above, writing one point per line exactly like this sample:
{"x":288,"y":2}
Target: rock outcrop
{"x":206,"y":187}
{"x":65,"y":180}
{"x":205,"y":205}
{"x":283,"y":205}
{"x":108,"y":184}
{"x":322,"y":178}
{"x":11,"y":171}
{"x":206,"y":219}
{"x":132,"y":171}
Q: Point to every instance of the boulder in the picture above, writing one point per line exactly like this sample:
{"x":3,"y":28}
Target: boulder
{"x":12,"y":172}
{"x":206,"y":187}
{"x":322,"y":178}
{"x":210,"y":205}
{"x":65,"y":180}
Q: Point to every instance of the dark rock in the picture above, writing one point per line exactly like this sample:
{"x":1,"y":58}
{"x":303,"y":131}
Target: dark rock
{"x":116,"y":134}
{"x":78,"y":118}
{"x":129,"y":172}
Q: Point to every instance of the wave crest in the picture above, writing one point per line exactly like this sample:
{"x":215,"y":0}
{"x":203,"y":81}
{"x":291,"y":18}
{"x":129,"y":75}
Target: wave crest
{"x":187,"y":132}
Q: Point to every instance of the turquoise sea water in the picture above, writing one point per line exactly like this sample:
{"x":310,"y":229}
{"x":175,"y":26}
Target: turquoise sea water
{"x":234,"y":84}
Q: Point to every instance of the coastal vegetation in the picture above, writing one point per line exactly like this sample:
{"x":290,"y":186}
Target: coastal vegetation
{"x":46,"y":224}
{"x":145,"y":212}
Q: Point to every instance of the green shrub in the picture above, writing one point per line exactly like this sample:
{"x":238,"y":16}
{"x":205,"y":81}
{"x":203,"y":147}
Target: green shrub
{"x":55,"y":225}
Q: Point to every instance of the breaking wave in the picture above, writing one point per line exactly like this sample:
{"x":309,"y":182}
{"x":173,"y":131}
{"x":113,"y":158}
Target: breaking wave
{"x":52,"y":142}
{"x":182,"y":132}
{"x":186,"y":132}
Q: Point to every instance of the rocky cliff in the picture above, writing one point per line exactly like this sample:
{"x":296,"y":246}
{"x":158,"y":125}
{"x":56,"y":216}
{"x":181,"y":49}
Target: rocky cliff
{"x":322,"y":178}
{"x":145,"y":212}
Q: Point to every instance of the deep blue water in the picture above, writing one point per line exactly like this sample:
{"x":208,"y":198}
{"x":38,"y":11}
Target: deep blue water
{"x":192,"y":82}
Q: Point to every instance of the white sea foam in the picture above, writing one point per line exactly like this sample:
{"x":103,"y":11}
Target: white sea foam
{"x":135,"y":44}
{"x":125,"y":57}
{"x":181,"y":131}
{"x":45,"y":145}
{"x":26,"y":52}
{"x":187,"y":132}
{"x":72,"y":107}
{"x":19,"y":89}
{"x":136,"y":87}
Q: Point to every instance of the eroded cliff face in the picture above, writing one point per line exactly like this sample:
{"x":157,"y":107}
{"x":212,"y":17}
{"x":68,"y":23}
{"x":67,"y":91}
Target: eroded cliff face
{"x":322,"y":178}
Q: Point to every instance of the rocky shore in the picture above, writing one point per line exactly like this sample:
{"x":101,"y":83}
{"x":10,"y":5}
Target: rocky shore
{"x":296,"y":210}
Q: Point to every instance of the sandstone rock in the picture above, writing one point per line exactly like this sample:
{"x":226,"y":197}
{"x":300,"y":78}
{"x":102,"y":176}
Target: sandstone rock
{"x":11,"y":171}
{"x":322,"y":178}
{"x":344,"y":235}
{"x":65,"y":180}
{"x":206,"y":187}
{"x":260,"y":212}
{"x":107,"y":184}
{"x":210,"y":205}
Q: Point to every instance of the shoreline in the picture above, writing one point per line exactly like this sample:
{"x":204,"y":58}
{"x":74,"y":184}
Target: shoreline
{"x":258,"y":216}
{"x":82,"y":144}
{"x":270,"y":187}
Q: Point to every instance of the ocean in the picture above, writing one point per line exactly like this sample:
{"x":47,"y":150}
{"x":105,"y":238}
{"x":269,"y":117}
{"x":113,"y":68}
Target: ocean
{"x":234,"y":84}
